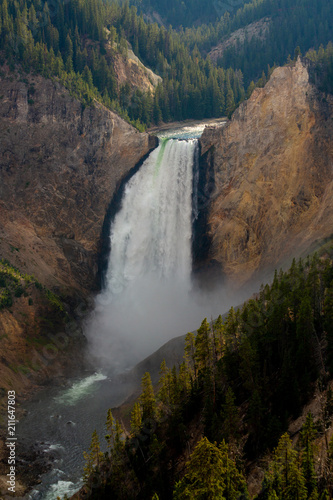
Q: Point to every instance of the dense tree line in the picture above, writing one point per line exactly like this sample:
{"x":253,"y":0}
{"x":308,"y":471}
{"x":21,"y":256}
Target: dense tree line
{"x":186,"y":13}
{"x":303,"y":23}
{"x":242,"y":380}
{"x":321,"y":67}
{"x":192,"y":86}
{"x":77,"y":41}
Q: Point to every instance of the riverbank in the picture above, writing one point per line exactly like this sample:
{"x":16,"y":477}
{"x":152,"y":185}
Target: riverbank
{"x":31,"y":462}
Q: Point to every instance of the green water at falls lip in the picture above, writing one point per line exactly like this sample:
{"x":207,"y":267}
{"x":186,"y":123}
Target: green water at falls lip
{"x":189,"y":131}
{"x":160,"y":155}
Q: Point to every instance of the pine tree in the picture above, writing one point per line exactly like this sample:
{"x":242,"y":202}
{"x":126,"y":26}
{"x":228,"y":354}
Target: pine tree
{"x":203,"y":346}
{"x":230,"y":102}
{"x":230,"y":415}
{"x":136,"y":418}
{"x":189,"y":353}
{"x":219,"y":337}
{"x":250,"y":89}
{"x":305,"y":335}
{"x":147,"y":398}
{"x":94,"y":458}
{"x":285,"y":475}
{"x":118,"y":445}
{"x":165,"y":384}
{"x":210,"y":475}
{"x":297,"y":53}
{"x":308,"y":434}
{"x":110,"y":423}
{"x":68,"y":54}
{"x":231,"y":329}
{"x":6,"y":24}
{"x":295,"y":489}
{"x":184,"y":380}
{"x":87,"y":76}
{"x":329,"y":470}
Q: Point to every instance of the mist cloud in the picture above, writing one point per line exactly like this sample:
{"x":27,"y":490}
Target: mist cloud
{"x":126,"y":327}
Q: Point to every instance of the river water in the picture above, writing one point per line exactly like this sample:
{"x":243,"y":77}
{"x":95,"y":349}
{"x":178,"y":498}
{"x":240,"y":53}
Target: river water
{"x":148,"y":299}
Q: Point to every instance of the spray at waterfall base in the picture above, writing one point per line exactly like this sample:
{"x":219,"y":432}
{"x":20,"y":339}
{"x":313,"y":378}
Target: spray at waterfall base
{"x":149,"y":296}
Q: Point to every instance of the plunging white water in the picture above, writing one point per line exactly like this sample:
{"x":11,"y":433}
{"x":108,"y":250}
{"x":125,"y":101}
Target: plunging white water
{"x":145,"y":299}
{"x":80,"y":389}
{"x":151,"y":235}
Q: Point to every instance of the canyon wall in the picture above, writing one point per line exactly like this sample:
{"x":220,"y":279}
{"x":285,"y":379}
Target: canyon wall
{"x":60,"y":167}
{"x":269,"y":178}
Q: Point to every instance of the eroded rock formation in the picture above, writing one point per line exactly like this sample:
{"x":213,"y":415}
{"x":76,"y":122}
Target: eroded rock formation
{"x":60,"y":166}
{"x":271,"y":167}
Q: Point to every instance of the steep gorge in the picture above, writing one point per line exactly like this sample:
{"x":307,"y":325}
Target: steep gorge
{"x":61,"y":165}
{"x":270,"y":182}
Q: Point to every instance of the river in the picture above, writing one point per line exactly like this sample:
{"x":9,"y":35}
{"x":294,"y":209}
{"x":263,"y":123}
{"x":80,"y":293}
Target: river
{"x":148,"y":298}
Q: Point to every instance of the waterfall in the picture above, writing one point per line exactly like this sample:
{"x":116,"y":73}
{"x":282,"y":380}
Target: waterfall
{"x":147,"y":298}
{"x":151,"y":234}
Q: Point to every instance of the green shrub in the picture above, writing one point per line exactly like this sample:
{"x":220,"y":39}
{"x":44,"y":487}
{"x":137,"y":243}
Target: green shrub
{"x":19,"y":290}
{"x":38,"y":285}
{"x":5,"y":299}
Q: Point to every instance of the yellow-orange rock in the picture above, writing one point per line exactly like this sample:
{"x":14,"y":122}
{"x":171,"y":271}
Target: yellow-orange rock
{"x":272,"y":168}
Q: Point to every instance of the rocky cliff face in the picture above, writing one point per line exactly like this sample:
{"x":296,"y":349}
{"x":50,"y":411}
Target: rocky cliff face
{"x":271,"y":167}
{"x":60,"y":166}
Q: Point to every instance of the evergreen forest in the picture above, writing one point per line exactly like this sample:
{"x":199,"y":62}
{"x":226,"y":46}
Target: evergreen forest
{"x":76,"y":42}
{"x":244,"y":378}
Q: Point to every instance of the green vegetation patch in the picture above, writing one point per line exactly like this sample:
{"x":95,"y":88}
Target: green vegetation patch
{"x":14,"y":284}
